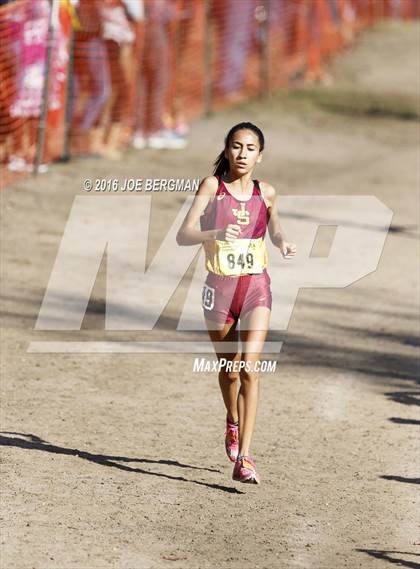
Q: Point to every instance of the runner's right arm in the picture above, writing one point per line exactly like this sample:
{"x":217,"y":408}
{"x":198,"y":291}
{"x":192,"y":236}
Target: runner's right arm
{"x":187,"y":233}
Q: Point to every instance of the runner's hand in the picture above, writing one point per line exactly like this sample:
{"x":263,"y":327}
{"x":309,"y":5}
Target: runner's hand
{"x":230,"y":233}
{"x":288,"y":250}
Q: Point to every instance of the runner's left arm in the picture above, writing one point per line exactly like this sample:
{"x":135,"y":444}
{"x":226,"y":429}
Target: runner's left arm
{"x":276,"y":232}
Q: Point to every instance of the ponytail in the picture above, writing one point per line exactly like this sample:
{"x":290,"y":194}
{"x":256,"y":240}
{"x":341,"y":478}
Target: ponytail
{"x":221,"y":164}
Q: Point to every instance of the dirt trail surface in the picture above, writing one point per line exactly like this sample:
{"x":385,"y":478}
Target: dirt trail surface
{"x":117,"y":462}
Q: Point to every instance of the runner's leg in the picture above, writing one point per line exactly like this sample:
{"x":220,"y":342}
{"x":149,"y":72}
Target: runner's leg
{"x":228,"y":380}
{"x":254,"y":326}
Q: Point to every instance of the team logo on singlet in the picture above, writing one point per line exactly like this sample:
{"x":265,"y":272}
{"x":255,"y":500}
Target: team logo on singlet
{"x":242,"y":215}
{"x":220,"y":196}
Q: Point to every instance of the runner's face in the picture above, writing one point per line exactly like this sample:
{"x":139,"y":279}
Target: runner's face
{"x":243,"y":152}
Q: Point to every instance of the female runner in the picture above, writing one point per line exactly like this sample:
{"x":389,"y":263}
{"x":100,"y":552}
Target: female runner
{"x":234,"y":211}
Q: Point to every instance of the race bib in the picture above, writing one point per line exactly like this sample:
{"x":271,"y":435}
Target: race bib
{"x":242,"y":256}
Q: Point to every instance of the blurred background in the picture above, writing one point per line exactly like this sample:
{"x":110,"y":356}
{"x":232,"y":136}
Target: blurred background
{"x":83,"y":77}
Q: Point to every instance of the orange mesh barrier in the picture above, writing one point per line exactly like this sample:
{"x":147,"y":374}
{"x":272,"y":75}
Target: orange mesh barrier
{"x":103,"y":74}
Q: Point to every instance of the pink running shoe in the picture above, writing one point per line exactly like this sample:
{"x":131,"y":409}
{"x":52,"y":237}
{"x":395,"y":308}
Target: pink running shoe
{"x":245,"y":470}
{"x":231,"y":440}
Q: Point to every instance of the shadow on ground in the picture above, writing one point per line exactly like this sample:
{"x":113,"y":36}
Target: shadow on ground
{"x":389,"y":556}
{"x":32,"y":442}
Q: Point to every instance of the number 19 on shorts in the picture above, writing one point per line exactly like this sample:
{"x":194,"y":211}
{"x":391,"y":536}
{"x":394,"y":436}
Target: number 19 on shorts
{"x":208,"y":297}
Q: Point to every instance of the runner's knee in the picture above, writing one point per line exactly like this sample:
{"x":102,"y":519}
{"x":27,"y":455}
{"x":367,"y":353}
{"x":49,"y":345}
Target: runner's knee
{"x":229,"y":375}
{"x":247,"y":377}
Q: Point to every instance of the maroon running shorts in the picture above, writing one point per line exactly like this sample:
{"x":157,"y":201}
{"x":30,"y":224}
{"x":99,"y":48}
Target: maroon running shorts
{"x":225,"y":299}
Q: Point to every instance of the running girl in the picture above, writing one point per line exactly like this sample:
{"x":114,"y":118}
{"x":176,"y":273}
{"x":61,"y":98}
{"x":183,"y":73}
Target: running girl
{"x":234,"y":212}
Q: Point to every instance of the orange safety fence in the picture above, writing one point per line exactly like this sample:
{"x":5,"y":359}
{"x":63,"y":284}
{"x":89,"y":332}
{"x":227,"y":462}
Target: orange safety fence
{"x":83,"y":76}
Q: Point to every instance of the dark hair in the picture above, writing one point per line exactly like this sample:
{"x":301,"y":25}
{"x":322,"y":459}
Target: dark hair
{"x":221,"y":164}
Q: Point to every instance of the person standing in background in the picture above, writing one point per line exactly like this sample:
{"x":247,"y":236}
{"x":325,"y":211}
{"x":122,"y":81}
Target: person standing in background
{"x":118,"y":37}
{"x":91,"y":73}
{"x":154,"y":79}
{"x":235,"y":26}
{"x":31,"y":68}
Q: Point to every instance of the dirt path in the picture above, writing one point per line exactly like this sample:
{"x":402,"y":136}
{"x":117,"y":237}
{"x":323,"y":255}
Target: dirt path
{"x":117,"y":461}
